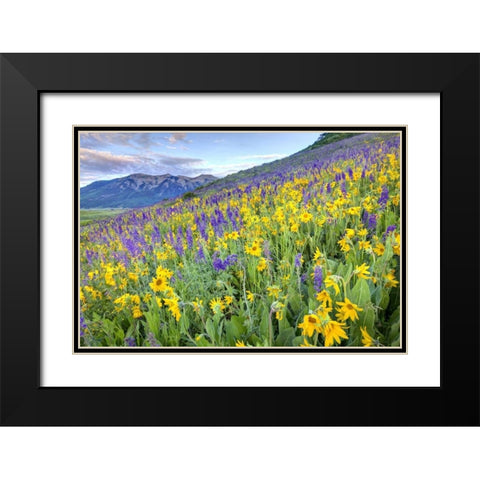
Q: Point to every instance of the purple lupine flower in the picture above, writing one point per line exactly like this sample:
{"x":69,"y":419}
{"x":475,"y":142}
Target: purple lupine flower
{"x":89,"y":254}
{"x":220,"y":264}
{"x":382,"y":201}
{"x":217,"y":262}
{"x":156,"y":236}
{"x":178,"y":246}
{"x":189,"y":237}
{"x":343,"y":188}
{"x":298,"y":260}
{"x":372,"y":222}
{"x":365,"y":217}
{"x":152,"y":340}
{"x":317,"y":278}
{"x":83,"y":325}
{"x":350,"y":173}
{"x":230,"y":260}
{"x":329,"y":188}
{"x":303,"y":278}
{"x":130,"y":342}
{"x":266,"y":251}
{"x":389,"y":230}
{"x":200,"y":255}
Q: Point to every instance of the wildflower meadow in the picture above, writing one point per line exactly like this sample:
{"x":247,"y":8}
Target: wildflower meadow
{"x":302,"y":253}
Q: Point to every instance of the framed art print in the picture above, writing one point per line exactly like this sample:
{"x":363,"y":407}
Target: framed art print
{"x":216,"y":261}
{"x":236,"y":241}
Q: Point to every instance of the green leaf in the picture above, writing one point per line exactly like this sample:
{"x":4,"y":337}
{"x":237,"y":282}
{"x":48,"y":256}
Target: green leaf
{"x":285,"y":338}
{"x":297,"y":341}
{"x":201,"y":341}
{"x":367,"y":319}
{"x":360,"y":293}
{"x":264,"y":326}
{"x":210,"y":328}
{"x":234,"y":329}
{"x":384,"y":300}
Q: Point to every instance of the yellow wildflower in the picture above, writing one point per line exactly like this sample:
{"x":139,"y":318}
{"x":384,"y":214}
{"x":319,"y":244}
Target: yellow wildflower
{"x":197,"y":305}
{"x":344,"y":246}
{"x":330,"y":282}
{"x":362,"y":271}
{"x":310,"y":325}
{"x":274,"y":291}
{"x":217,"y":305}
{"x":172,"y":304}
{"x":364,"y":244}
{"x":348,"y":310}
{"x":391,"y":280}
{"x":159,"y":284}
{"x":305,"y":217}
{"x":333,"y":332}
{"x":109,"y":278}
{"x":305,"y":343}
{"x":396,"y":246}
{"x":262,"y":265}
{"x":324,"y":297}
{"x":254,"y":249}
{"x":379,"y":249}
{"x":133,"y":276}
{"x":367,"y":340}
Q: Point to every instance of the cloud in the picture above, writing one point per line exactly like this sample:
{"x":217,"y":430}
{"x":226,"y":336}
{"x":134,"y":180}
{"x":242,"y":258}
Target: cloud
{"x":219,"y":140}
{"x":269,"y":156}
{"x":132,"y":140}
{"x":101,"y":165}
{"x":178,"y":137}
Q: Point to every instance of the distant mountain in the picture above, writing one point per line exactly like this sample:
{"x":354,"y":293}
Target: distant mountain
{"x":138,"y":190}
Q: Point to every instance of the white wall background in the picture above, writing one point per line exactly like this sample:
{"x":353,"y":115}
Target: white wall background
{"x":214,"y":26}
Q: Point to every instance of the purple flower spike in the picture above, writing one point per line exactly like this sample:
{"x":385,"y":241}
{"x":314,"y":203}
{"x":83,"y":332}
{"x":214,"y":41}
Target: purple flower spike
{"x":317,"y":278}
{"x":382,"y":201}
{"x":298,"y":260}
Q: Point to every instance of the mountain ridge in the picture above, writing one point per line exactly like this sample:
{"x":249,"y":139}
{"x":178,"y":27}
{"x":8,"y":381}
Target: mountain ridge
{"x":139,"y":190}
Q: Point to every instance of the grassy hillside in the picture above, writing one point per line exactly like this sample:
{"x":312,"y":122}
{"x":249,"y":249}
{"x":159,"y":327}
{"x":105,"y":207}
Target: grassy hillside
{"x":89,"y":216}
{"x":334,"y":145}
{"x":330,"y":137}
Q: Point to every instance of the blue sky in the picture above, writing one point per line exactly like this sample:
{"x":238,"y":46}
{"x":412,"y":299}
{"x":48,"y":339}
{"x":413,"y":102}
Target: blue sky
{"x":107,"y":155}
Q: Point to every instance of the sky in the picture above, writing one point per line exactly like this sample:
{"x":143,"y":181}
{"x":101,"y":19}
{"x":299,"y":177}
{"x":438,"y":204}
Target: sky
{"x":108,"y":155}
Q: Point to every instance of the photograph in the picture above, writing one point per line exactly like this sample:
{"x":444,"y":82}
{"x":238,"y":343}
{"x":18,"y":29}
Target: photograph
{"x":237,"y":238}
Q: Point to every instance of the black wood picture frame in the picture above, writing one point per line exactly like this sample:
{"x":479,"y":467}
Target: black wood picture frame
{"x":24,"y":77}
